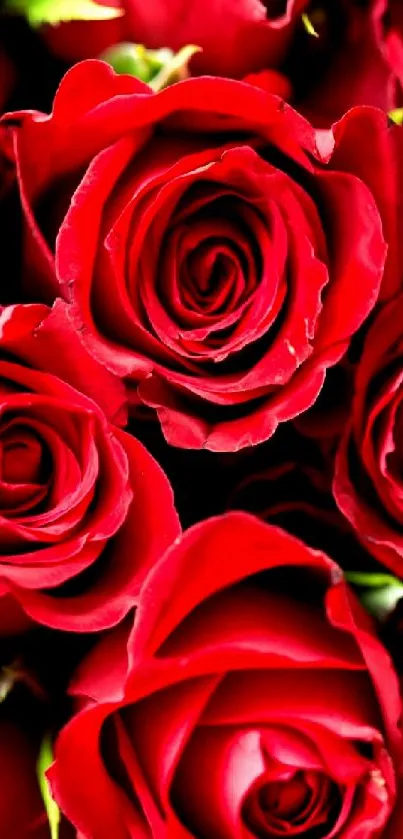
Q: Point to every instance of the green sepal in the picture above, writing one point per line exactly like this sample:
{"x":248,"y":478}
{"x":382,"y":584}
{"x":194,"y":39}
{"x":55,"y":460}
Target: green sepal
{"x":45,"y":759}
{"x":369,"y":579}
{"x":136,"y":60}
{"x":158,"y":68}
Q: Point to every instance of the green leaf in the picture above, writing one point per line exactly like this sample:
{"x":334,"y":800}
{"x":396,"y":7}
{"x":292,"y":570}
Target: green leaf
{"x":45,"y":759}
{"x":371,"y":580}
{"x":396,"y":116}
{"x":306,"y":20}
{"x":39,"y":12}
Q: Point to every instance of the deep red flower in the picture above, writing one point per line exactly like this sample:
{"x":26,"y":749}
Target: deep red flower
{"x":203,"y":244}
{"x":79,"y":498}
{"x":253,"y":699}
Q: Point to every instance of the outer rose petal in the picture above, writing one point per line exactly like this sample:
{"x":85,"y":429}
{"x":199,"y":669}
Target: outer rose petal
{"x":55,"y":131}
{"x":381,"y":168}
{"x":45,"y":338}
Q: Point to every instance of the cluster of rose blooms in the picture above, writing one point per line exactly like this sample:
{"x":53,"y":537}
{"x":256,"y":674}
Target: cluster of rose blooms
{"x":201,"y":425}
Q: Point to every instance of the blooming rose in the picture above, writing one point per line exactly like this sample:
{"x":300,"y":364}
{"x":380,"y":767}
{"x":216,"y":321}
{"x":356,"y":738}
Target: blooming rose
{"x":368,"y":484}
{"x":252,"y":700}
{"x":79,"y":498}
{"x":203,"y":245}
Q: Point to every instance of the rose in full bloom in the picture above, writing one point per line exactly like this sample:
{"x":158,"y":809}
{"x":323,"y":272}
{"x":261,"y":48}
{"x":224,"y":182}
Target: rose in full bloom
{"x":368,"y":484}
{"x":252,"y":700}
{"x":79,"y":498}
{"x":203,"y":245}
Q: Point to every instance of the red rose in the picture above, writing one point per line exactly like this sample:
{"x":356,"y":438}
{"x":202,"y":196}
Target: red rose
{"x":257,"y":33}
{"x":253,"y":700}
{"x":368,"y":484}
{"x":206,"y":250}
{"x":79,"y":498}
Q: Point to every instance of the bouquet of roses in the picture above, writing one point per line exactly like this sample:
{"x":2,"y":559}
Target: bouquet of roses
{"x":201,"y":419}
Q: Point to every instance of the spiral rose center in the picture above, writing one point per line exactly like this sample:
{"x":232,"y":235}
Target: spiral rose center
{"x":22,"y":457}
{"x":299,"y":802}
{"x":25,"y":470}
{"x":213,"y":273}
